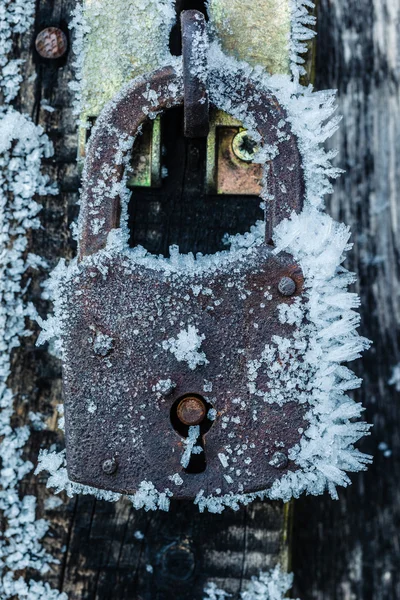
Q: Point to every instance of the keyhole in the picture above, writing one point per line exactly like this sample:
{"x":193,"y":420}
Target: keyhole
{"x":187,"y":412}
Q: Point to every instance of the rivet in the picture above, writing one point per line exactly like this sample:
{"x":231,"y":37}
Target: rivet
{"x":51,"y":43}
{"x":109,"y":466}
{"x":165,"y":387}
{"x":279,"y":460}
{"x":191,"y":410}
{"x":287,"y":286}
{"x":244,"y":147}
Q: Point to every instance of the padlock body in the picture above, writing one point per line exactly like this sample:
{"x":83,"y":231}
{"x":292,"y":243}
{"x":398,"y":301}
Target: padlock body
{"x":127,"y":318}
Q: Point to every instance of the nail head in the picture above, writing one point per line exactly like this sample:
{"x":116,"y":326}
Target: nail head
{"x":51,"y":43}
{"x":109,"y":466}
{"x":287,"y":286}
{"x":279,"y":460}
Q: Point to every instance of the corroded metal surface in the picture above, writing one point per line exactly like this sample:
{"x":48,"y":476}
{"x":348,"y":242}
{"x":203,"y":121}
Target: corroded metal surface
{"x":191,"y":410}
{"x":120,"y":398}
{"x":194,"y":57}
{"x":284,"y":174}
{"x":113,"y":408}
{"x":233,"y":175}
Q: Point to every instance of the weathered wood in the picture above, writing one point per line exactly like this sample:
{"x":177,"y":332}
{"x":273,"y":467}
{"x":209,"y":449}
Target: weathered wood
{"x":350,"y":549}
{"x":342,"y":550}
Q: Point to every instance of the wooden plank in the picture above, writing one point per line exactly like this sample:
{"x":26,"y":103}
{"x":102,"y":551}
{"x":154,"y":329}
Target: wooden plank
{"x":350,"y":548}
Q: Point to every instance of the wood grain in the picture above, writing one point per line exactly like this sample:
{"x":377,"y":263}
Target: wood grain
{"x":350,"y":549}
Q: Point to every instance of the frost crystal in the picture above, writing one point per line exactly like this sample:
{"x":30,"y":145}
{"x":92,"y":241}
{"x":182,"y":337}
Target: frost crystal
{"x":190,"y":443}
{"x":138,"y":535}
{"x":270,"y":585}
{"x":103,"y":344}
{"x":186,"y":347}
{"x":302,"y":19}
{"x":212,"y":592}
{"x":23,"y":145}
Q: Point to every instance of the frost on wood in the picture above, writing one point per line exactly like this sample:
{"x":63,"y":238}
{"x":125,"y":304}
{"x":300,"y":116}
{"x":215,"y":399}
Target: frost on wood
{"x":305,"y":367}
{"x":269,"y":585}
{"x":16,"y":17}
{"x":22,"y":148}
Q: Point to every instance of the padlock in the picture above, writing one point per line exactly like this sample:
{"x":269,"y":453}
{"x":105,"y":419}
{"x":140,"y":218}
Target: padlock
{"x":164,"y":376}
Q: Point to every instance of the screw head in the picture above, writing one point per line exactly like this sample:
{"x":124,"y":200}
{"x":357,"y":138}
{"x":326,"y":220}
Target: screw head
{"x":51,"y":42}
{"x":287,"y":286}
{"x":244,"y":147}
{"x":279,"y":460}
{"x":191,"y":410}
{"x":109,"y":466}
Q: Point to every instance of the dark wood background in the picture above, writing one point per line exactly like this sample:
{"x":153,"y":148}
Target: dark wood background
{"x":345,"y":550}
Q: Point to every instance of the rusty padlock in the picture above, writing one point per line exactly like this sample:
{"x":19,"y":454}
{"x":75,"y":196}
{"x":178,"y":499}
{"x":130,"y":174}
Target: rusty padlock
{"x":157,"y":351}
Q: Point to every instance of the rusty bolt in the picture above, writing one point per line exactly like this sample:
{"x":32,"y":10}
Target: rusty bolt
{"x":191,"y":410}
{"x":279,"y":460}
{"x":287,"y":286}
{"x":244,"y":147}
{"x":51,"y":43}
{"x":109,"y":466}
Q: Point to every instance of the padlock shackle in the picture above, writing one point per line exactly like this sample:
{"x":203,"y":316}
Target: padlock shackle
{"x":111,"y":143}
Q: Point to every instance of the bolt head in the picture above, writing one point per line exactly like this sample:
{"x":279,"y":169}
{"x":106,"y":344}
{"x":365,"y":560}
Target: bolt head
{"x":109,"y":466}
{"x":51,"y":43}
{"x":191,"y":410}
{"x":287,"y":286}
{"x":244,"y":147}
{"x":279,"y":460}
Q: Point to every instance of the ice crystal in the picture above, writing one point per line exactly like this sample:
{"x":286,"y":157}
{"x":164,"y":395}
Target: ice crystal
{"x":23,"y":145}
{"x":186,"y":347}
{"x":269,"y":585}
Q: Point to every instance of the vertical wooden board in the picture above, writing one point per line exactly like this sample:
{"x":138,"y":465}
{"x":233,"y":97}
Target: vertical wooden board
{"x":350,"y":549}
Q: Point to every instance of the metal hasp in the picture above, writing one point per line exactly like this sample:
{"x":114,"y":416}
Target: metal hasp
{"x":194,"y":56}
{"x":256,"y":31}
{"x":125,"y":420}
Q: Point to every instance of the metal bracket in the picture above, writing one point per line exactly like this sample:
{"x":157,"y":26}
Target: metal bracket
{"x":256,"y":31}
{"x":194,"y":56}
{"x":228,"y":171}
